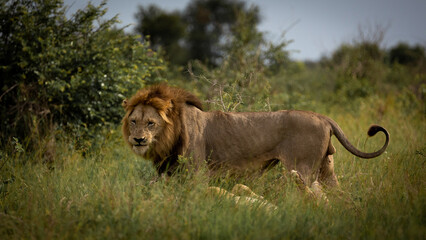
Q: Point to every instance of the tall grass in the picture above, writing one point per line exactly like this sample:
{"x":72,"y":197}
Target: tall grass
{"x":109,"y":193}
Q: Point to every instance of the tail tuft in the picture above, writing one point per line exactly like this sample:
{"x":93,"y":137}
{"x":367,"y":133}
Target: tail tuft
{"x":375,"y":129}
{"x":371,"y":132}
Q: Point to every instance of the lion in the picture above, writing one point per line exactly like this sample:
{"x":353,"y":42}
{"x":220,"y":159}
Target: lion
{"x":163,"y":123}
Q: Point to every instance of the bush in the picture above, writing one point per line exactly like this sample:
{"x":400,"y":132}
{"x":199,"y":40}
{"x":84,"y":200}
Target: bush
{"x":59,"y":71}
{"x":406,"y":55}
{"x":241,"y":82}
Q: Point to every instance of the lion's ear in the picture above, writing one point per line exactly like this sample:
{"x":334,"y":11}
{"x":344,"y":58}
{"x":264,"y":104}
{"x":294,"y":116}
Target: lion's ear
{"x":170,"y":106}
{"x":165,"y":114}
{"x":124,"y":103}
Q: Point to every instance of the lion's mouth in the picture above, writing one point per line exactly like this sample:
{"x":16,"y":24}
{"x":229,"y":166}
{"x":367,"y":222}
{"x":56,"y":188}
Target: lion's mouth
{"x":140,"y":145}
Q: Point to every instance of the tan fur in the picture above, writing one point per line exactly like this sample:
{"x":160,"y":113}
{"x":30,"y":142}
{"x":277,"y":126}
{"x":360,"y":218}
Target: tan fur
{"x":238,"y":141}
{"x":169,"y":103}
{"x":242,"y":195}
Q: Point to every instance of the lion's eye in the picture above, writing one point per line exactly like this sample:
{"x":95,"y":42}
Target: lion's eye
{"x":150,"y":124}
{"x":133,"y":122}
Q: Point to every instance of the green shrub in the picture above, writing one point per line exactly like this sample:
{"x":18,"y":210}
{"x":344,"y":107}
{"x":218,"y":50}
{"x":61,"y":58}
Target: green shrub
{"x":241,"y":82}
{"x":405,"y":55}
{"x":59,"y":71}
{"x":358,"y":68}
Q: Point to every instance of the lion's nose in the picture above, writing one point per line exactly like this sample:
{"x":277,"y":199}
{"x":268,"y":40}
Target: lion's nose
{"x":140,"y":140}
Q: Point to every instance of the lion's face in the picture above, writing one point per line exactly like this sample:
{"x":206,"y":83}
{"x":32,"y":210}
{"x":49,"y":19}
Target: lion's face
{"x":145,"y":126}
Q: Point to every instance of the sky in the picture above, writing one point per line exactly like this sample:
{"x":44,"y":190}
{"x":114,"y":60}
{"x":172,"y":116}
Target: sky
{"x":315,"y":27}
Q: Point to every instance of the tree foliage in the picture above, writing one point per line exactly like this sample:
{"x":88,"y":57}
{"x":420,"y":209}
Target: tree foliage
{"x":59,"y":71}
{"x":210,"y":24}
{"x":164,"y":30}
{"x":241,"y":81}
{"x":406,"y":55}
{"x":356,"y":69}
{"x":200,"y":32}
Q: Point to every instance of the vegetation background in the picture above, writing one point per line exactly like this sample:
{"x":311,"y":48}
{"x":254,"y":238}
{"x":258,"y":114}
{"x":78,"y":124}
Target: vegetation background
{"x":65,"y":171}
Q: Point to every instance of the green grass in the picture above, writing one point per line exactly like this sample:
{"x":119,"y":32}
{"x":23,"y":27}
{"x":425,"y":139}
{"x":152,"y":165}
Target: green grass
{"x":108,"y":193}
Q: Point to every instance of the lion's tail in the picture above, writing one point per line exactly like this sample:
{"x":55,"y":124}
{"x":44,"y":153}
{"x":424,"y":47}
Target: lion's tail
{"x":337,"y":131}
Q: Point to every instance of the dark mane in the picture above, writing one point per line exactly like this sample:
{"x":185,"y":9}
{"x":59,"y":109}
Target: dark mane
{"x":169,"y":102}
{"x":162,"y":91}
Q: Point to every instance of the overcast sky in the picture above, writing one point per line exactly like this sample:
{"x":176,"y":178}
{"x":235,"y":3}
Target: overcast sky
{"x":317,"y":27}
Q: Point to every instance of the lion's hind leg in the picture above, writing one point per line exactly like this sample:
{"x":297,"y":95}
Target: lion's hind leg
{"x":297,"y":178}
{"x":313,"y":192}
{"x":327,"y":177}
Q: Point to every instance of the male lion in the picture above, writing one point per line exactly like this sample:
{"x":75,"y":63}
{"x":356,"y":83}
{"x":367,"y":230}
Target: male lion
{"x":163,"y":123}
